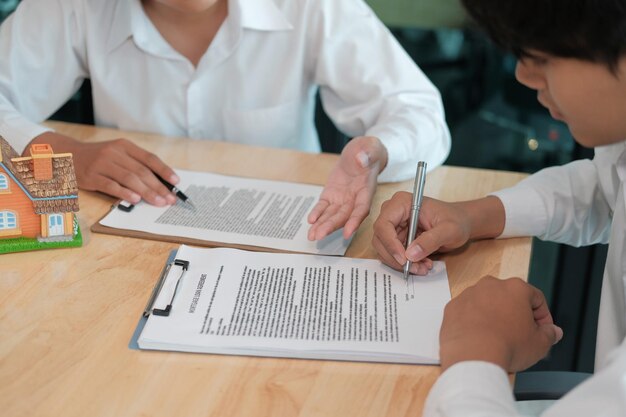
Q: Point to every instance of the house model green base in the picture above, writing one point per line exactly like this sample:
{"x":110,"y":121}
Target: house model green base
{"x":24,"y":244}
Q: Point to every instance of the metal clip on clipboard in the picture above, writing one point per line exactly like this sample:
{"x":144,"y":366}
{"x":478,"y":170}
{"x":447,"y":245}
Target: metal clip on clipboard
{"x":125,"y":206}
{"x":164,"y":292}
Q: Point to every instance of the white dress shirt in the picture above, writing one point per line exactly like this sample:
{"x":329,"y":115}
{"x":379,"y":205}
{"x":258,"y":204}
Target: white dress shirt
{"x":580,"y":203}
{"x":255,"y":84}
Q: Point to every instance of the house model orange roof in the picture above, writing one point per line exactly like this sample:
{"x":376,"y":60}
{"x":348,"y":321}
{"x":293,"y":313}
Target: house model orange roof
{"x":38,"y":194}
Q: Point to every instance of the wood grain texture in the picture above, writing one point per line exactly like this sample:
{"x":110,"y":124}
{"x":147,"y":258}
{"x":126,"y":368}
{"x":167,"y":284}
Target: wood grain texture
{"x":67,"y":315}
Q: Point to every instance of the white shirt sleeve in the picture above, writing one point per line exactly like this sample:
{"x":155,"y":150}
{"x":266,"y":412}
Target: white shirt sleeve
{"x":469,"y":389}
{"x":481,"y":389}
{"x":37,"y":77}
{"x":567,"y":204}
{"x":370,"y":86}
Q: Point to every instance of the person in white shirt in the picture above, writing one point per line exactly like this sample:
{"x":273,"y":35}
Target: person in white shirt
{"x":573,"y":53}
{"x":244,"y":71}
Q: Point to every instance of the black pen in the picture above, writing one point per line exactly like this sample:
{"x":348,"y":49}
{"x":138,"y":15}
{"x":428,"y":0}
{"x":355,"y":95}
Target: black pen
{"x":175,"y":190}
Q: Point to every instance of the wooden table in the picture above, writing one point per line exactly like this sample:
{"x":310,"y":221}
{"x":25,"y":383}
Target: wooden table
{"x":67,"y":315}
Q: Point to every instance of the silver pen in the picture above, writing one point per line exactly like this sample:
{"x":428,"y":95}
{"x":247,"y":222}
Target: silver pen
{"x":418,"y":194}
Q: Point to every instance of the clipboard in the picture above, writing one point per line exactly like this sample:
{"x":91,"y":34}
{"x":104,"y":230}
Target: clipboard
{"x":162,"y":288}
{"x":234,"y":212}
{"x":221,"y":322}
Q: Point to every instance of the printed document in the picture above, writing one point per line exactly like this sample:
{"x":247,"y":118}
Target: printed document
{"x":303,"y":306}
{"x":235,"y":211}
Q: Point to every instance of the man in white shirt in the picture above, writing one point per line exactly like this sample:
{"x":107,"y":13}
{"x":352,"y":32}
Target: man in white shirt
{"x":245,"y":71}
{"x":573,"y":53}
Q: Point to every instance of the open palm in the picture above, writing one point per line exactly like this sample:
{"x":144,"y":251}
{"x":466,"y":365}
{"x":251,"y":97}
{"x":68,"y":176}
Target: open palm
{"x":347,"y":197}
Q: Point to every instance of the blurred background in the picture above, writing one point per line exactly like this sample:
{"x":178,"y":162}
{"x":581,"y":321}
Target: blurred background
{"x":496,"y":123}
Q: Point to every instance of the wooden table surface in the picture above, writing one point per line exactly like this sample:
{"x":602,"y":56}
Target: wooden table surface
{"x":67,"y":315}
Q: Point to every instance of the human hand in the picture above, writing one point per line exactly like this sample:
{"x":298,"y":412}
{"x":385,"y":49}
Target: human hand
{"x":505,"y":322}
{"x":347,"y":196}
{"x":117,"y":167}
{"x":441,"y":227}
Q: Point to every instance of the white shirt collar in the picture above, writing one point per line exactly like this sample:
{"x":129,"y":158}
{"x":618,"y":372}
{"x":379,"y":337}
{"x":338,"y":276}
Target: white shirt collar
{"x":121,"y":27}
{"x":252,"y":14}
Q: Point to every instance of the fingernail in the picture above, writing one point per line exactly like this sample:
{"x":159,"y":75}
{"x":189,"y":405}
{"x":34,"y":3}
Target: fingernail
{"x":170,"y":199}
{"x":415,"y":253}
{"x":159,"y":201}
{"x":174,"y":179}
{"x":559,"y":334}
{"x":399,"y":259}
{"x":363,"y":159}
{"x":135,"y":198}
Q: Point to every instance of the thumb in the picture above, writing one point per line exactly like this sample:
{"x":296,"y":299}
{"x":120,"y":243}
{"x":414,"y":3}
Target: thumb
{"x":363,"y":159}
{"x":549,"y":334}
{"x":428,"y":242}
{"x":369,"y":151}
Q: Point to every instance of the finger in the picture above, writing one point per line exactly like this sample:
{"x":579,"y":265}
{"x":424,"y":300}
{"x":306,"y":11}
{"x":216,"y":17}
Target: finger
{"x":146,"y":174}
{"x":420,"y":268}
{"x":317,"y":211}
{"x":541,"y":312}
{"x":547,"y":335}
{"x":547,"y":332}
{"x":153,"y":162}
{"x":328,"y":224}
{"x":359,"y":214}
{"x":113,"y":188}
{"x":132,"y":175}
{"x":390,"y":229}
{"x":389,"y":247}
{"x":371,"y":151}
{"x":385,"y":256}
{"x":138,"y":175}
{"x":428,"y":262}
{"x":430,"y":241}
{"x":330,"y":211}
{"x":388,"y":240}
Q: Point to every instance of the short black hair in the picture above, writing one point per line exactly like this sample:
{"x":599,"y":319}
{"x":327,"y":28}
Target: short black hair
{"x":592,"y":30}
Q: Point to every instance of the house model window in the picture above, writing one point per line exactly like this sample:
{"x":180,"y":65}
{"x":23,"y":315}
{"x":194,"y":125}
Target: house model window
{"x":8,"y":220}
{"x":4,"y":183}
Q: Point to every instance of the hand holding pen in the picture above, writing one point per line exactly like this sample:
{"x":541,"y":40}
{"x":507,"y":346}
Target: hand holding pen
{"x":178,"y":193}
{"x":443,"y":227}
{"x":127,"y":206}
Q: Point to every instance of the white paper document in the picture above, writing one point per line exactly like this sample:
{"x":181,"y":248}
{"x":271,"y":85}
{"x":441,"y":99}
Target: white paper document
{"x":302,"y":306}
{"x":235,"y":211}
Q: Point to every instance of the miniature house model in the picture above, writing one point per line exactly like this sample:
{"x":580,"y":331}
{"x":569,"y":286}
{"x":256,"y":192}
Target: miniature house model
{"x":38,"y":194}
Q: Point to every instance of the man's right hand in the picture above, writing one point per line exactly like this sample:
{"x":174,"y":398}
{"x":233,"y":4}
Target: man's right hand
{"x":117,"y":167}
{"x":505,"y":322}
{"x":442,"y":227}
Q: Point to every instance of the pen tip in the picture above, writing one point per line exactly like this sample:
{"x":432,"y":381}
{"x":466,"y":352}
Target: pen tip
{"x":405,"y":271}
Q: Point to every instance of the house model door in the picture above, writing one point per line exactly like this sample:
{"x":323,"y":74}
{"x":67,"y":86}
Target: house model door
{"x":55,"y":225}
